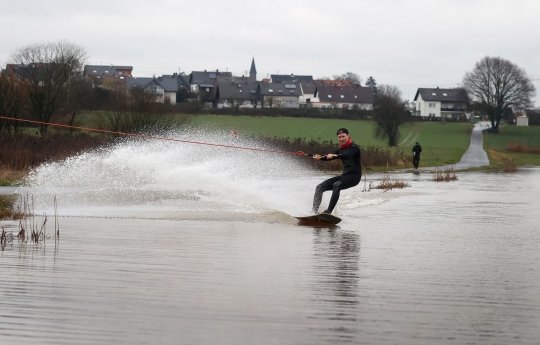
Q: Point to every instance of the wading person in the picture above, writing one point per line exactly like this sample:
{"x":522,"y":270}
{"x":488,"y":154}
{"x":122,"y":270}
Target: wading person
{"x":349,"y":153}
{"x":416,"y":154}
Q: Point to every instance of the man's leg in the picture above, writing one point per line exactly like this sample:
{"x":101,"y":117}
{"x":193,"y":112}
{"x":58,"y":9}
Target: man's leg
{"x":346,"y":181}
{"x":322,"y":187}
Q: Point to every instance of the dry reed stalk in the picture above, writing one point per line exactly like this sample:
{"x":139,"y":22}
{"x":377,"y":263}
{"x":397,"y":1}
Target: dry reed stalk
{"x":388,"y":183}
{"x":509,"y":165}
{"x":446,"y":175}
{"x":3,"y":239}
{"x":29,"y":224}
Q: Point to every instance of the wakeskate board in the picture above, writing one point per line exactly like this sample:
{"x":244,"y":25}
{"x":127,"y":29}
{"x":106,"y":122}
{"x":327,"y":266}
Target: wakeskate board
{"x":320,"y":219}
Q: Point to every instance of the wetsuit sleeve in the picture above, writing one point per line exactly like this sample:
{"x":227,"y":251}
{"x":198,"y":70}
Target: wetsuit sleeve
{"x":336,"y":152}
{"x":349,"y":153}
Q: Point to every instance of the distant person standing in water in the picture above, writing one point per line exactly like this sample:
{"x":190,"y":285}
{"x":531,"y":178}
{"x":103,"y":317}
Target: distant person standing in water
{"x":416,"y":154}
{"x":349,"y":153}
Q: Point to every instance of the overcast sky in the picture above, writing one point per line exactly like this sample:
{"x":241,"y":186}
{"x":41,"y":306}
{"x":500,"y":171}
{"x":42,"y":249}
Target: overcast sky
{"x":411,"y":44}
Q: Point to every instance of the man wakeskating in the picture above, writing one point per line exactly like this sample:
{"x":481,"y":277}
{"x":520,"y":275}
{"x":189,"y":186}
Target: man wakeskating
{"x":349,"y":153}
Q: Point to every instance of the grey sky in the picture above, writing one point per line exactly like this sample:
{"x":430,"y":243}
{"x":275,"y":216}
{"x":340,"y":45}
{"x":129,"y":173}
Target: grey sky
{"x":414,"y":43}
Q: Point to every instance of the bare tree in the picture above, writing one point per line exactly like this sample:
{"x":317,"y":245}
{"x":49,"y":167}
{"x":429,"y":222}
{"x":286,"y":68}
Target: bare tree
{"x":11,"y":101}
{"x":47,"y":71}
{"x":270,"y":101}
{"x":389,"y":113}
{"x":234,"y":103}
{"x":350,"y":76}
{"x":496,"y":85}
{"x":80,"y":97}
{"x":138,"y":111}
{"x":254,"y":102}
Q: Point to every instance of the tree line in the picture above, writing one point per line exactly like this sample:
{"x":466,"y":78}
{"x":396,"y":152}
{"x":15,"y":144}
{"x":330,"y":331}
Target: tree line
{"x":49,"y":84}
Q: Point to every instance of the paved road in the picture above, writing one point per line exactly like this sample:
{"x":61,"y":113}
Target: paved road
{"x":474,"y":157}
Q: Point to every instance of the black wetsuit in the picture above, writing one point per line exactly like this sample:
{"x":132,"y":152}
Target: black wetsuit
{"x":352,"y":173}
{"x":416,"y":155}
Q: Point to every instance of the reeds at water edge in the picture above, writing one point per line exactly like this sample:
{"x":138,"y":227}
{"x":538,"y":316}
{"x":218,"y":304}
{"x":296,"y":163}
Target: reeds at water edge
{"x":509,"y":165}
{"x":388,"y":182}
{"x":445,"y":175}
{"x":32,"y":227}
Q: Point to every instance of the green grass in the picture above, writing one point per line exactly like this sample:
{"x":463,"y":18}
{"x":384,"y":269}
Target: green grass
{"x":495,"y":144}
{"x":442,"y":143}
{"x":319,"y":130}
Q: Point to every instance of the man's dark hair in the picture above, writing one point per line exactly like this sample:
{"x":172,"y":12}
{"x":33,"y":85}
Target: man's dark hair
{"x":342,"y":130}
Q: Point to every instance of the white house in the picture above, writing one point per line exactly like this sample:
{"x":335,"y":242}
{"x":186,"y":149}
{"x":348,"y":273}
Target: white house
{"x":165,"y":87}
{"x":440,"y":103}
{"x":308,"y":94}
{"x":343,"y":96}
{"x":280,"y":95}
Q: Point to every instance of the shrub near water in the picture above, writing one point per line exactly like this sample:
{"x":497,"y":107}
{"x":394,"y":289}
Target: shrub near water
{"x":514,"y":146}
{"x":22,"y":152}
{"x":7,"y":203}
{"x":372,"y":156}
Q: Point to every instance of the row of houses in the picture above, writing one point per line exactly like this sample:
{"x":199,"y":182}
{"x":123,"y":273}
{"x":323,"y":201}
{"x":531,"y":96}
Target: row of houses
{"x":221,"y":89}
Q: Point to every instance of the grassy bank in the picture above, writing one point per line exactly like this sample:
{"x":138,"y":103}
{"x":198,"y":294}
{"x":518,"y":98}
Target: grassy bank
{"x":520,"y":144}
{"x":442,"y":143}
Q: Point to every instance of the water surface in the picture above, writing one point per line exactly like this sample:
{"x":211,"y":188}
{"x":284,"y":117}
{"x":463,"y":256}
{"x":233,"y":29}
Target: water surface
{"x":184,"y":262}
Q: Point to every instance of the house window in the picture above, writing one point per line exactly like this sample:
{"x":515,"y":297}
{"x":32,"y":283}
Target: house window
{"x":207,"y":89}
{"x":291,"y":91}
{"x":270,"y":90}
{"x":431,"y":114}
{"x":434,"y":94}
{"x":432,"y":105}
{"x":445,"y":94}
{"x":253,"y":91}
{"x":240,"y":90}
{"x":329,"y":96}
{"x":342,"y":96}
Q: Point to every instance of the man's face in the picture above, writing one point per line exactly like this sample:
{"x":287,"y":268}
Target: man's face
{"x":343,"y":138}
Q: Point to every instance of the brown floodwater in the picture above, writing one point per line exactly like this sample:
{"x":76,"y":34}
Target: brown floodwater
{"x":435,"y":263}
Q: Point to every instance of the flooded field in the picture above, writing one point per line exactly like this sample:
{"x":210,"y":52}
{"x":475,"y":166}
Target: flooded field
{"x":207,"y":251}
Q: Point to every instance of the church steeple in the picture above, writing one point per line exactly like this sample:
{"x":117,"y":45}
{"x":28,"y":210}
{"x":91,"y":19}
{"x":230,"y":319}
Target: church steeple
{"x":253,"y":71}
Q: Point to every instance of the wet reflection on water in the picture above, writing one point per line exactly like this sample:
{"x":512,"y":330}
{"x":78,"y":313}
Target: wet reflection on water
{"x":336,"y":258}
{"x":433,"y":264}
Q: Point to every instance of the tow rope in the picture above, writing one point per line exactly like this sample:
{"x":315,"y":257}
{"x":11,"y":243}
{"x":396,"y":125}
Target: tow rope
{"x":298,"y":153}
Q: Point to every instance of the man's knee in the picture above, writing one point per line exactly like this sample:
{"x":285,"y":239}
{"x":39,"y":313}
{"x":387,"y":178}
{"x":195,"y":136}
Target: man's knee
{"x":337,"y":185}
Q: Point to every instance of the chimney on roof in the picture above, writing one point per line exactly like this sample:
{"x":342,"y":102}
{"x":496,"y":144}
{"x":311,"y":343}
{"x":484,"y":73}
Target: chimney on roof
{"x":292,"y":75}
{"x":437,"y":87}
